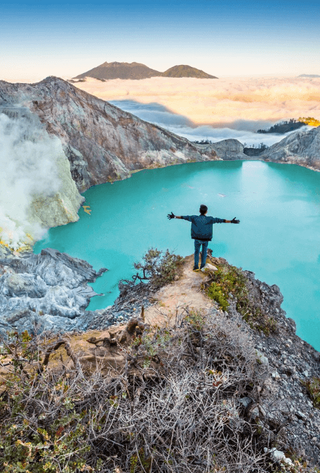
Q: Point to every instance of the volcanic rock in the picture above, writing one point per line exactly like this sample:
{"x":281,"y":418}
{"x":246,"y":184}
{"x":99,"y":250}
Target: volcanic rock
{"x":44,"y":292}
{"x":302,"y":148}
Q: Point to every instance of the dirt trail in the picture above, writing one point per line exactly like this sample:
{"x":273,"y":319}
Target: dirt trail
{"x":170,"y":302}
{"x":183,"y":293}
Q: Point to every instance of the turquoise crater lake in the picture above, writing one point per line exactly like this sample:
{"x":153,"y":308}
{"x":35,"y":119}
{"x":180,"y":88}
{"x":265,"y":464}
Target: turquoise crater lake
{"x":278,"y":238}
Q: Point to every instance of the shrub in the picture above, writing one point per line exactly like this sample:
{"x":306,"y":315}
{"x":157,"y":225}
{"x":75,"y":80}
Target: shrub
{"x":41,"y":431}
{"x":229,"y":280}
{"x":178,"y":413}
{"x":313,"y":388}
{"x":157,"y":268}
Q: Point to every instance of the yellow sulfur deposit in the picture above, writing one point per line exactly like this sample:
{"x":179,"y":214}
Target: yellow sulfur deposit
{"x":4,"y":244}
{"x":21,"y":249}
{"x":27,"y":245}
{"x":87,"y":209}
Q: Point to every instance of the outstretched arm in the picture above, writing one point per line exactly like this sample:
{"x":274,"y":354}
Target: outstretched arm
{"x":234,"y":220}
{"x":172,"y":215}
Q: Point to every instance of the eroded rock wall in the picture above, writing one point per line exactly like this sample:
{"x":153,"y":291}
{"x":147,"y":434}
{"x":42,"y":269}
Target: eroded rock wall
{"x":302,"y":148}
{"x":63,"y":206}
{"x":36,"y":187}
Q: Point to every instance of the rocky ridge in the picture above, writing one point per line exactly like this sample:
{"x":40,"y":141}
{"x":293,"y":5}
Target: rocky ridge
{"x":277,"y":403}
{"x":101,"y":142}
{"x":301,"y":148}
{"x":281,"y":404}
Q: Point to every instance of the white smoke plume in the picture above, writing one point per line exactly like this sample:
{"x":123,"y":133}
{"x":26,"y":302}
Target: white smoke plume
{"x":28,"y":162}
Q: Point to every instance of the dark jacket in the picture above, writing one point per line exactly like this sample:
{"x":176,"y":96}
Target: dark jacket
{"x":201,"y":228}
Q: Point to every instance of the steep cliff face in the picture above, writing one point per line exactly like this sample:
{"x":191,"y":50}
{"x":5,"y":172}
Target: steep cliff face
{"x":62,"y":207}
{"x":36,"y":187}
{"x":302,"y":147}
{"x":101,"y":142}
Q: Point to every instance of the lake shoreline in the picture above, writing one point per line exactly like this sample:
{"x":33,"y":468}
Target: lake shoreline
{"x":249,"y":196}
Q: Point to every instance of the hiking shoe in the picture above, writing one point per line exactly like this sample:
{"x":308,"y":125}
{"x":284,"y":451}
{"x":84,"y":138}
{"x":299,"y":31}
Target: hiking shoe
{"x":195,"y":269}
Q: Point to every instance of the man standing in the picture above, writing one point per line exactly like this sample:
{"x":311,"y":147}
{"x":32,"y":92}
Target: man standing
{"x":201,"y":232}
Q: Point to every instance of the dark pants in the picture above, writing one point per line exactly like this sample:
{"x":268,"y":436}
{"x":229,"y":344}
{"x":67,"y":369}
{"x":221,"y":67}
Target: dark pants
{"x":197,"y":245}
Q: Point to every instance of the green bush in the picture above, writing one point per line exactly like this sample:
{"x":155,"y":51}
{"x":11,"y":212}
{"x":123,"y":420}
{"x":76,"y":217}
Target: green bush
{"x":229,"y":280}
{"x":40,"y":429}
{"x":313,"y":388}
{"x":159,"y":268}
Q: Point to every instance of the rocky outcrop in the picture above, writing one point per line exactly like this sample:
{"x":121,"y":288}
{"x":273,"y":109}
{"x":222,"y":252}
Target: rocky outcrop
{"x":228,"y":150}
{"x":44,"y":292}
{"x":302,"y":148}
{"x":62,"y":207}
{"x":102,"y":142}
{"x":283,"y":406}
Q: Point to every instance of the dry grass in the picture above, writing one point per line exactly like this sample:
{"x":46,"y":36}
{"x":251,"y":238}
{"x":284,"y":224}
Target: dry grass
{"x":174,"y":407}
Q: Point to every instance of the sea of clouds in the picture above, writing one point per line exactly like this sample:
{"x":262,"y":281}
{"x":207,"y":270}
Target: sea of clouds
{"x":214,"y":109}
{"x":28,"y":161}
{"x":160,"y":115}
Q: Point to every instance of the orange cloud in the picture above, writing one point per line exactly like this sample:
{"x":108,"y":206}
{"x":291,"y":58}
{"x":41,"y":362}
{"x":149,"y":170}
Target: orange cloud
{"x":218,"y":102}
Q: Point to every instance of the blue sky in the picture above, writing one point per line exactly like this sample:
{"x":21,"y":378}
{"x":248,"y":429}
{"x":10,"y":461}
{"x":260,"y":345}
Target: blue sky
{"x":232,"y":38}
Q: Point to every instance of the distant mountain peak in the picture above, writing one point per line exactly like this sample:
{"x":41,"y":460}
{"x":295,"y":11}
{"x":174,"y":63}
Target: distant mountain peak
{"x":136,"y":71}
{"x":184,"y":70}
{"x":120,"y":70}
{"x":116,"y":64}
